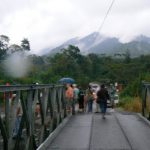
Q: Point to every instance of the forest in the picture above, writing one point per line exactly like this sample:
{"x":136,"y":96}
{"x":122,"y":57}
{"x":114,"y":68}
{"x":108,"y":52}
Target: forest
{"x":70,"y":62}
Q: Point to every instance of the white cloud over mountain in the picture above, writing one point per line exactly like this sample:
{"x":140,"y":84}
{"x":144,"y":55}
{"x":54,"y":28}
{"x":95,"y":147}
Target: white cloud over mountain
{"x":50,"y":22}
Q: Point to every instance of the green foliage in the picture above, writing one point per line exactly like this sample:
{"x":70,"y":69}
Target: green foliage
{"x":25,"y":44}
{"x":127,"y":57}
{"x":145,"y":77}
{"x":133,"y":89}
{"x":132,"y":104}
{"x":15,"y":48}
{"x":129,"y":72}
{"x":124,"y":100}
{"x":4,"y":43}
{"x":83,"y":68}
{"x":24,"y":80}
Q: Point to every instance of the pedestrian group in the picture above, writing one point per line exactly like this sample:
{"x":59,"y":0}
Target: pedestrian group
{"x":77,"y":97}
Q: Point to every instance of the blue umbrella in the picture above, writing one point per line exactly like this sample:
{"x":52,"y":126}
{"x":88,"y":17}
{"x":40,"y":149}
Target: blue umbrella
{"x":66,"y":80}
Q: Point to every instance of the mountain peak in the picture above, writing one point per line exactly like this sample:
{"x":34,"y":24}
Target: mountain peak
{"x":142,"y":38}
{"x":100,"y":44}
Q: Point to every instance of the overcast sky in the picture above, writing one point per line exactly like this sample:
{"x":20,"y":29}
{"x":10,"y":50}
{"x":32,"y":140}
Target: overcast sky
{"x":47,"y":23}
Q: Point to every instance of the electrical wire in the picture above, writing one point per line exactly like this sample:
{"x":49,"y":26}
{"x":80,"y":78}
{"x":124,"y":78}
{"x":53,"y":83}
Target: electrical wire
{"x":107,"y":13}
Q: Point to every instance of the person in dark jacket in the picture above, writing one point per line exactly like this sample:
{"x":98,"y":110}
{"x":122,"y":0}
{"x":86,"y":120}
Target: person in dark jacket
{"x":81,"y":99}
{"x":102,"y":97}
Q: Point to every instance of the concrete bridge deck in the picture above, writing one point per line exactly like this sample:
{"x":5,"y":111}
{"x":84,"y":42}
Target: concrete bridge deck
{"x":119,"y":131}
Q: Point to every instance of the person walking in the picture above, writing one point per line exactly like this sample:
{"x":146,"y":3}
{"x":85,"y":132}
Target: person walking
{"x":102,"y":97}
{"x":75,"y":95}
{"x":69,"y":99}
{"x":81,"y":99}
{"x":89,"y":99}
{"x":17,"y":132}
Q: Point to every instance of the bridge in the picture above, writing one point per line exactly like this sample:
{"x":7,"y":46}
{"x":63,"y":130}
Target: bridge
{"x":45,"y":124}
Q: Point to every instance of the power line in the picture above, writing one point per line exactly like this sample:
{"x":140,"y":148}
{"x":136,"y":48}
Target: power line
{"x":102,"y":24}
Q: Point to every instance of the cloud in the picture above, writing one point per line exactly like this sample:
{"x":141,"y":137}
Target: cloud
{"x":128,"y":26}
{"x":47,"y":23}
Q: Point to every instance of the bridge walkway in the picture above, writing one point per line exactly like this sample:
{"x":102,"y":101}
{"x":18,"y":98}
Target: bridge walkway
{"x":119,"y":131}
{"x":44,"y":113}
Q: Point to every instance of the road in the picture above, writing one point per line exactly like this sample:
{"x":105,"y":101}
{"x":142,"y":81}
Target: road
{"x":119,"y":131}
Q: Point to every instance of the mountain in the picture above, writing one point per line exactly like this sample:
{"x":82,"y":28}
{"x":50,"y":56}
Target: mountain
{"x":111,"y":46}
{"x":108,"y":46}
{"x":99,"y":44}
{"x":84,"y":43}
{"x":142,"y":38}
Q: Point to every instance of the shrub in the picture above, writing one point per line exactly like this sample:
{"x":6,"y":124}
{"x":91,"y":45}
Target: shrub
{"x":132,"y":104}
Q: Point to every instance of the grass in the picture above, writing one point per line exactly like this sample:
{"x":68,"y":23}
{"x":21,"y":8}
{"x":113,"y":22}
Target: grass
{"x":131,"y":104}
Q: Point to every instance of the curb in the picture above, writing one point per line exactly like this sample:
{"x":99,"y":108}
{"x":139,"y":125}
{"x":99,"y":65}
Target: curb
{"x":53,"y":135}
{"x":144,"y":119}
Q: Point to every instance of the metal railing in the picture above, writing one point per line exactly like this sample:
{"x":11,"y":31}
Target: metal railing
{"x":146,"y":99}
{"x":29,"y":113}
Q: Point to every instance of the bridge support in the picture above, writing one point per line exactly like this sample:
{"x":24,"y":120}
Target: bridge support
{"x":146,"y":100}
{"x":29,"y":114}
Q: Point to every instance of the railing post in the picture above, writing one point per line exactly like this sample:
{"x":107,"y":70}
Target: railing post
{"x":7,"y":112}
{"x":144,"y":93}
{"x":64,"y":102}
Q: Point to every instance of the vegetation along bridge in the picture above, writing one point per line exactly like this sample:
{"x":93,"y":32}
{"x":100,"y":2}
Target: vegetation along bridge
{"x":44,"y":123}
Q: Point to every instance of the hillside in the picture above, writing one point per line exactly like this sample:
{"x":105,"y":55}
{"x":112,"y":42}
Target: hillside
{"x":95,"y":43}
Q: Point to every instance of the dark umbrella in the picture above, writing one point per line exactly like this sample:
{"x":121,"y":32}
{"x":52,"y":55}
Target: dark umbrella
{"x":66,"y":80}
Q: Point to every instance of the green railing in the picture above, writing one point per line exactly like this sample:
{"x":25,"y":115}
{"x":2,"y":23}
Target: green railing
{"x":39,"y":109}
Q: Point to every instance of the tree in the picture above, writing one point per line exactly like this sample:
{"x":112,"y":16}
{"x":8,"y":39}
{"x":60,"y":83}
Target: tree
{"x":15,"y":48}
{"x":4,"y":44}
{"x":127,"y":57}
{"x":25,"y":44}
{"x":71,"y":51}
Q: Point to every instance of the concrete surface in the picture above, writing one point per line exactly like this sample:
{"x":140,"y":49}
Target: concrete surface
{"x":119,"y":131}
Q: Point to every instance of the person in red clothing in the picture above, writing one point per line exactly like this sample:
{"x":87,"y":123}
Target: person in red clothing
{"x":8,"y":95}
{"x":69,"y":92}
{"x":69,"y":98}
